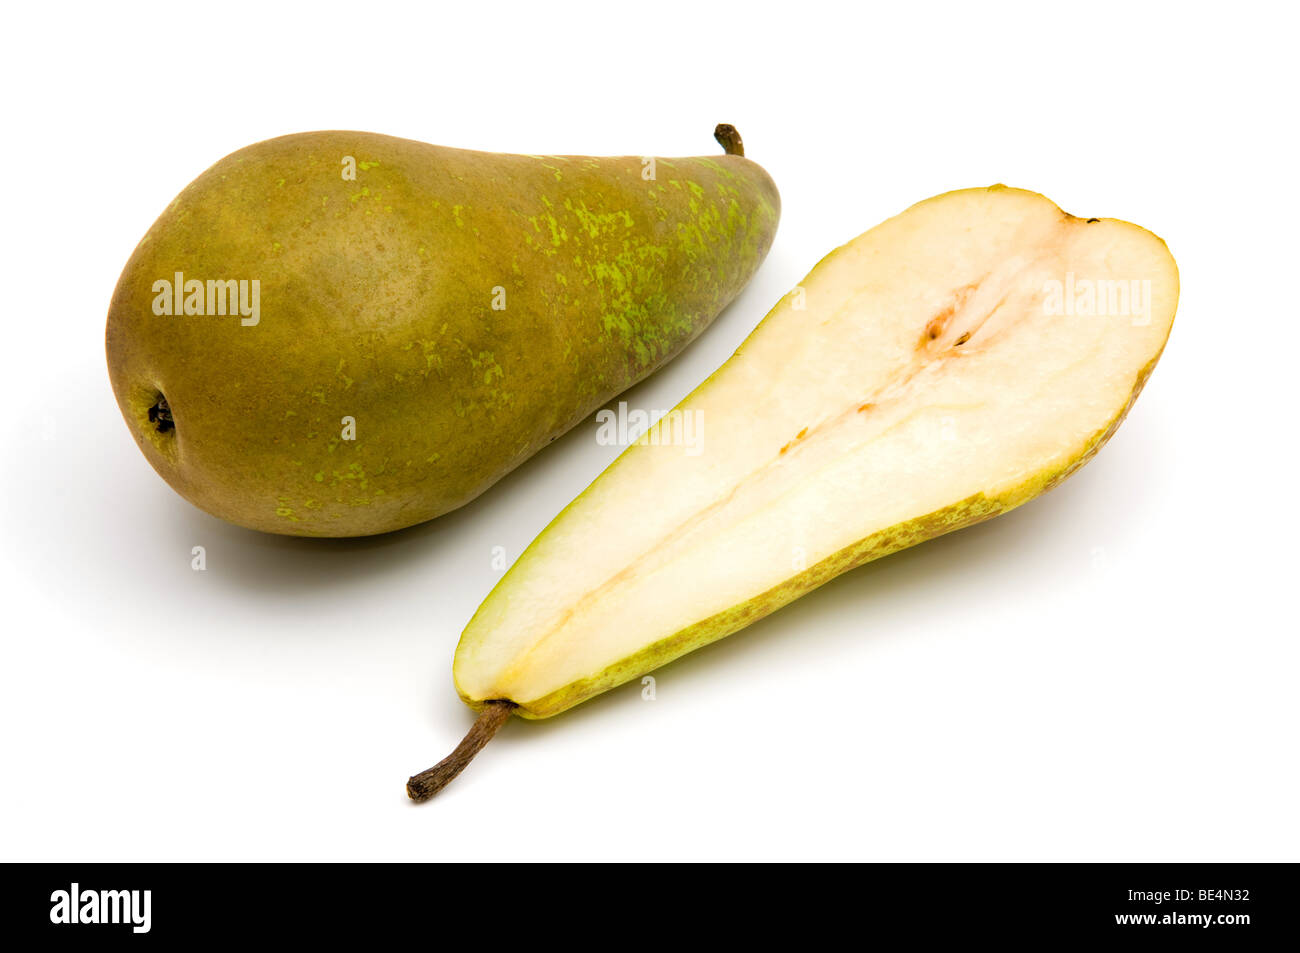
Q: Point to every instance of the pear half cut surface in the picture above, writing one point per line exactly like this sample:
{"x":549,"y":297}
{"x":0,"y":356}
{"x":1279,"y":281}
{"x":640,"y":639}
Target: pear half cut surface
{"x":941,"y":369}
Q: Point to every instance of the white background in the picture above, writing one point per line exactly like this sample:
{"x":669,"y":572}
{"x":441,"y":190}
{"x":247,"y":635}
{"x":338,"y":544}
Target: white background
{"x":1107,"y":673}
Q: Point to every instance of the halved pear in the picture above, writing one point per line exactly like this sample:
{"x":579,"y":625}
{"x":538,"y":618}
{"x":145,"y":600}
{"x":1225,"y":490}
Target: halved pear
{"x":941,"y":369}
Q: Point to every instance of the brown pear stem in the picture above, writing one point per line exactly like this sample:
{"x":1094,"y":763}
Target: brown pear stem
{"x":426,"y":784}
{"x":729,"y":138}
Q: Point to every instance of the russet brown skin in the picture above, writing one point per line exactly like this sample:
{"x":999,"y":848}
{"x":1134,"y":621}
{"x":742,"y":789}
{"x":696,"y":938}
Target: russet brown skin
{"x":462,"y":308}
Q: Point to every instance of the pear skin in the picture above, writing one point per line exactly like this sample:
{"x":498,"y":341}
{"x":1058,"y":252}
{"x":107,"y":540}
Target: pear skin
{"x":344,"y":333}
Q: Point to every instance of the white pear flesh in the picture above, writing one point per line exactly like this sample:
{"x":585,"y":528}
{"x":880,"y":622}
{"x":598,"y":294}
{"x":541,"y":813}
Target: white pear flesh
{"x":940,"y":369}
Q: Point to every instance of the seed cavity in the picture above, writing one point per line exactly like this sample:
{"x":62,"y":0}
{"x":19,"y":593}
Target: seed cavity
{"x":937,"y":325}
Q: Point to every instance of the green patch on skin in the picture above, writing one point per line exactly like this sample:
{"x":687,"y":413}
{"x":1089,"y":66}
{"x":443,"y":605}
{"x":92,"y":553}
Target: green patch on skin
{"x":367,"y":165}
{"x":353,"y":476}
{"x":431,"y":352}
{"x":559,"y":235}
{"x":598,"y":224}
{"x":486,"y":364}
{"x":723,"y":170}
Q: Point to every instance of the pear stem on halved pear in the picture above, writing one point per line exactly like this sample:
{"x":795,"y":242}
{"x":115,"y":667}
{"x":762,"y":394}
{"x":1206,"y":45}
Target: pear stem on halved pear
{"x":728,"y":137}
{"x":426,"y":784}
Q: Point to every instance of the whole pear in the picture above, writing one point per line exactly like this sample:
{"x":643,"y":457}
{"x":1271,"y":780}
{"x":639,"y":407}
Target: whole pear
{"x":344,"y":333}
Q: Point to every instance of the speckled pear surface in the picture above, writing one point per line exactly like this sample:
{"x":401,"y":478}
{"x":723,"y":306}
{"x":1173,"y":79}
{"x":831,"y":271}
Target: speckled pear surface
{"x":419,"y":328}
